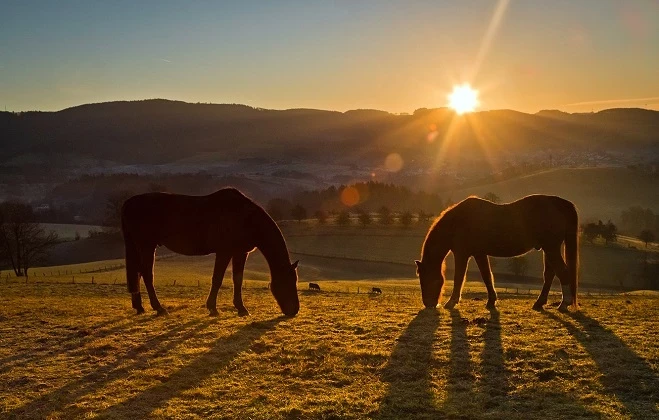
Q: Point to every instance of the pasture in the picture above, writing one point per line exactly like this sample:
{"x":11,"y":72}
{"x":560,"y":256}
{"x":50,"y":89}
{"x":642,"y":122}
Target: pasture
{"x":78,"y":351}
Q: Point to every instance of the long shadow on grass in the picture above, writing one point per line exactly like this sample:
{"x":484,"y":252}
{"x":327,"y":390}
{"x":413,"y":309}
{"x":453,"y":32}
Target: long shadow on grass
{"x":57,"y":346}
{"x":224,"y":350}
{"x":135,"y":358}
{"x":461,"y":379}
{"x":624,"y":374}
{"x":495,"y":385}
{"x":408,"y":371}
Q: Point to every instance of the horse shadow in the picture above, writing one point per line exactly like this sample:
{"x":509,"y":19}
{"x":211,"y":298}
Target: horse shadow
{"x":63,"y":398}
{"x":408,"y":373}
{"x":221,"y":354}
{"x":625,"y":374}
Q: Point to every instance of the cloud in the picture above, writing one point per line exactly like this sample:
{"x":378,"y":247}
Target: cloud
{"x":166,"y":61}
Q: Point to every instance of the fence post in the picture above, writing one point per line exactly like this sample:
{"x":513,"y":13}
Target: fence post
{"x":73,"y":280}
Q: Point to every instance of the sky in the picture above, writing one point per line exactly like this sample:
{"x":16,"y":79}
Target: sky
{"x":397,"y":56}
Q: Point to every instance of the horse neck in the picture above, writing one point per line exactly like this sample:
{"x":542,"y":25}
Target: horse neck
{"x":435,"y":247}
{"x":271,"y":243}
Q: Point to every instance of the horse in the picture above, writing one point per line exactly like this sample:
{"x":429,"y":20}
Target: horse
{"x":314,"y":286}
{"x":225,"y":223}
{"x":479,"y":228}
{"x":376,"y":290}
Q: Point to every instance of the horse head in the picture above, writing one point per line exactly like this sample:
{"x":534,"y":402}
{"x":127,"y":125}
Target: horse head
{"x":431,"y":277}
{"x":284,"y":288}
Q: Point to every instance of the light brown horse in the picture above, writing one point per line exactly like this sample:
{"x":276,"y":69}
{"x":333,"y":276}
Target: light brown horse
{"x":225,"y":223}
{"x":479,"y":228}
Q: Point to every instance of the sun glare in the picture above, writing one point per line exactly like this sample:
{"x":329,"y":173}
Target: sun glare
{"x":463,"y":99}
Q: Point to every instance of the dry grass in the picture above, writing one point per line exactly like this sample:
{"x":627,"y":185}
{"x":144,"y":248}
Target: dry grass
{"x":77,"y":351}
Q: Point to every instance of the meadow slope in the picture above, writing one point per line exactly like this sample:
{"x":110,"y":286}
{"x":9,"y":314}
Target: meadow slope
{"x":77,"y":350}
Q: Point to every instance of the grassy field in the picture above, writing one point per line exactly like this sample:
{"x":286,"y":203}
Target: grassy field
{"x":77,"y":351}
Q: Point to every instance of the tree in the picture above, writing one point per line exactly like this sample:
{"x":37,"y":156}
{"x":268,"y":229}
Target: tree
{"x":299,"y":212}
{"x":364,"y":218}
{"x":23,"y":242}
{"x":385,"y":215}
{"x":112,"y":221}
{"x":422,"y":216}
{"x":278,"y":207}
{"x":646,"y":236}
{"x":590,"y":232}
{"x":321,"y":216}
{"x":518,"y":266}
{"x":343,"y":218}
{"x":609,"y":232}
{"x":490,"y":196}
{"x":406,"y":219}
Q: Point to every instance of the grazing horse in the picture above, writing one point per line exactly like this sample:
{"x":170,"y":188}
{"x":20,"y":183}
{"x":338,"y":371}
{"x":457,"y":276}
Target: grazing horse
{"x":225,"y":223}
{"x":479,"y":228}
{"x":376,"y":290}
{"x":314,"y":286}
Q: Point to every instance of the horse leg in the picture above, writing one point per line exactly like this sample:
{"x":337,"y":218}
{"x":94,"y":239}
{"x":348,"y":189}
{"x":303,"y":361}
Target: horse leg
{"x":133,"y":273}
{"x":221,"y":263}
{"x":549,"y":278}
{"x":458,"y":280}
{"x":486,"y":273}
{"x":560,"y":268}
{"x":148,"y":261}
{"x":238,"y":262}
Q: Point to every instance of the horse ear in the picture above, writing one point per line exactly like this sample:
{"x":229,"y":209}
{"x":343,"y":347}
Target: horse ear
{"x":294,"y":265}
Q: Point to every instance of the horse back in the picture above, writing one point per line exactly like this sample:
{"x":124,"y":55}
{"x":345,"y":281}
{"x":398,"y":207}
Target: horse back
{"x":190,"y":225}
{"x":535,"y":221}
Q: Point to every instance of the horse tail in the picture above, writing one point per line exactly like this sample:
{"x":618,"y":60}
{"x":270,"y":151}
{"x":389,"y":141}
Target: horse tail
{"x":572,"y":251}
{"x":132,"y":255}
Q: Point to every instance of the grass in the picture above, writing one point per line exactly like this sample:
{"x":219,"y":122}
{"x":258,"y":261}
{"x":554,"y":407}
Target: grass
{"x":77,"y":351}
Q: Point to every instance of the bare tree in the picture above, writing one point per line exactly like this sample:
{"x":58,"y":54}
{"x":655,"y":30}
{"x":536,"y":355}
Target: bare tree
{"x":299,"y":212}
{"x":646,"y":236}
{"x":23,"y":242}
{"x":406,"y":218}
{"x":364,"y":218}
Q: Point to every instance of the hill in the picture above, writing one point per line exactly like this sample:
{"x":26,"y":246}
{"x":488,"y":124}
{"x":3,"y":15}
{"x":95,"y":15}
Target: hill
{"x":599,"y":193}
{"x":163,"y":131}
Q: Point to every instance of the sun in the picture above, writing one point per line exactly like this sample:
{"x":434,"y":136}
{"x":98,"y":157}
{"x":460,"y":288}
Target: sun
{"x":463,"y":99}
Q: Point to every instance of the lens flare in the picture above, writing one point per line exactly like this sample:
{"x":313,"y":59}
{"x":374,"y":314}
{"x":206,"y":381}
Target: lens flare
{"x":393,"y":162}
{"x":350,"y":196}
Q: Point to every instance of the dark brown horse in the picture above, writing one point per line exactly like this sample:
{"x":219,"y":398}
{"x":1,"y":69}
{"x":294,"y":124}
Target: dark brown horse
{"x":478,"y":228}
{"x":225,"y":223}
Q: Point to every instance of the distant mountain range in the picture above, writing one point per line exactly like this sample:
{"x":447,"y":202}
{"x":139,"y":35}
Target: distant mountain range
{"x":163,"y":131}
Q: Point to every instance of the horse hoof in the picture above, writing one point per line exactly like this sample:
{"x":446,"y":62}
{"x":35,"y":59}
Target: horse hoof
{"x":563,"y":308}
{"x":538,"y":306}
{"x":162,"y":311}
{"x":214,"y":312}
{"x":450,"y":304}
{"x":140,"y":311}
{"x":243,"y":312}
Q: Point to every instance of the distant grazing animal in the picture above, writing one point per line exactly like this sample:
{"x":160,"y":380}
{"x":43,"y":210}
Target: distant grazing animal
{"x":478,"y":228}
{"x":376,"y":290}
{"x":314,"y":286}
{"x":225,"y":223}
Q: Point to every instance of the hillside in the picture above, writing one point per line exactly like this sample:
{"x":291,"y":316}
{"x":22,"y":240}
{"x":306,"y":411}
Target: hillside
{"x":162,"y":131}
{"x":599,"y":193}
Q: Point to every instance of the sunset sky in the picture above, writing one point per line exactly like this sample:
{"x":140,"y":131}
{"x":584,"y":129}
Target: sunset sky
{"x":396,"y":56}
